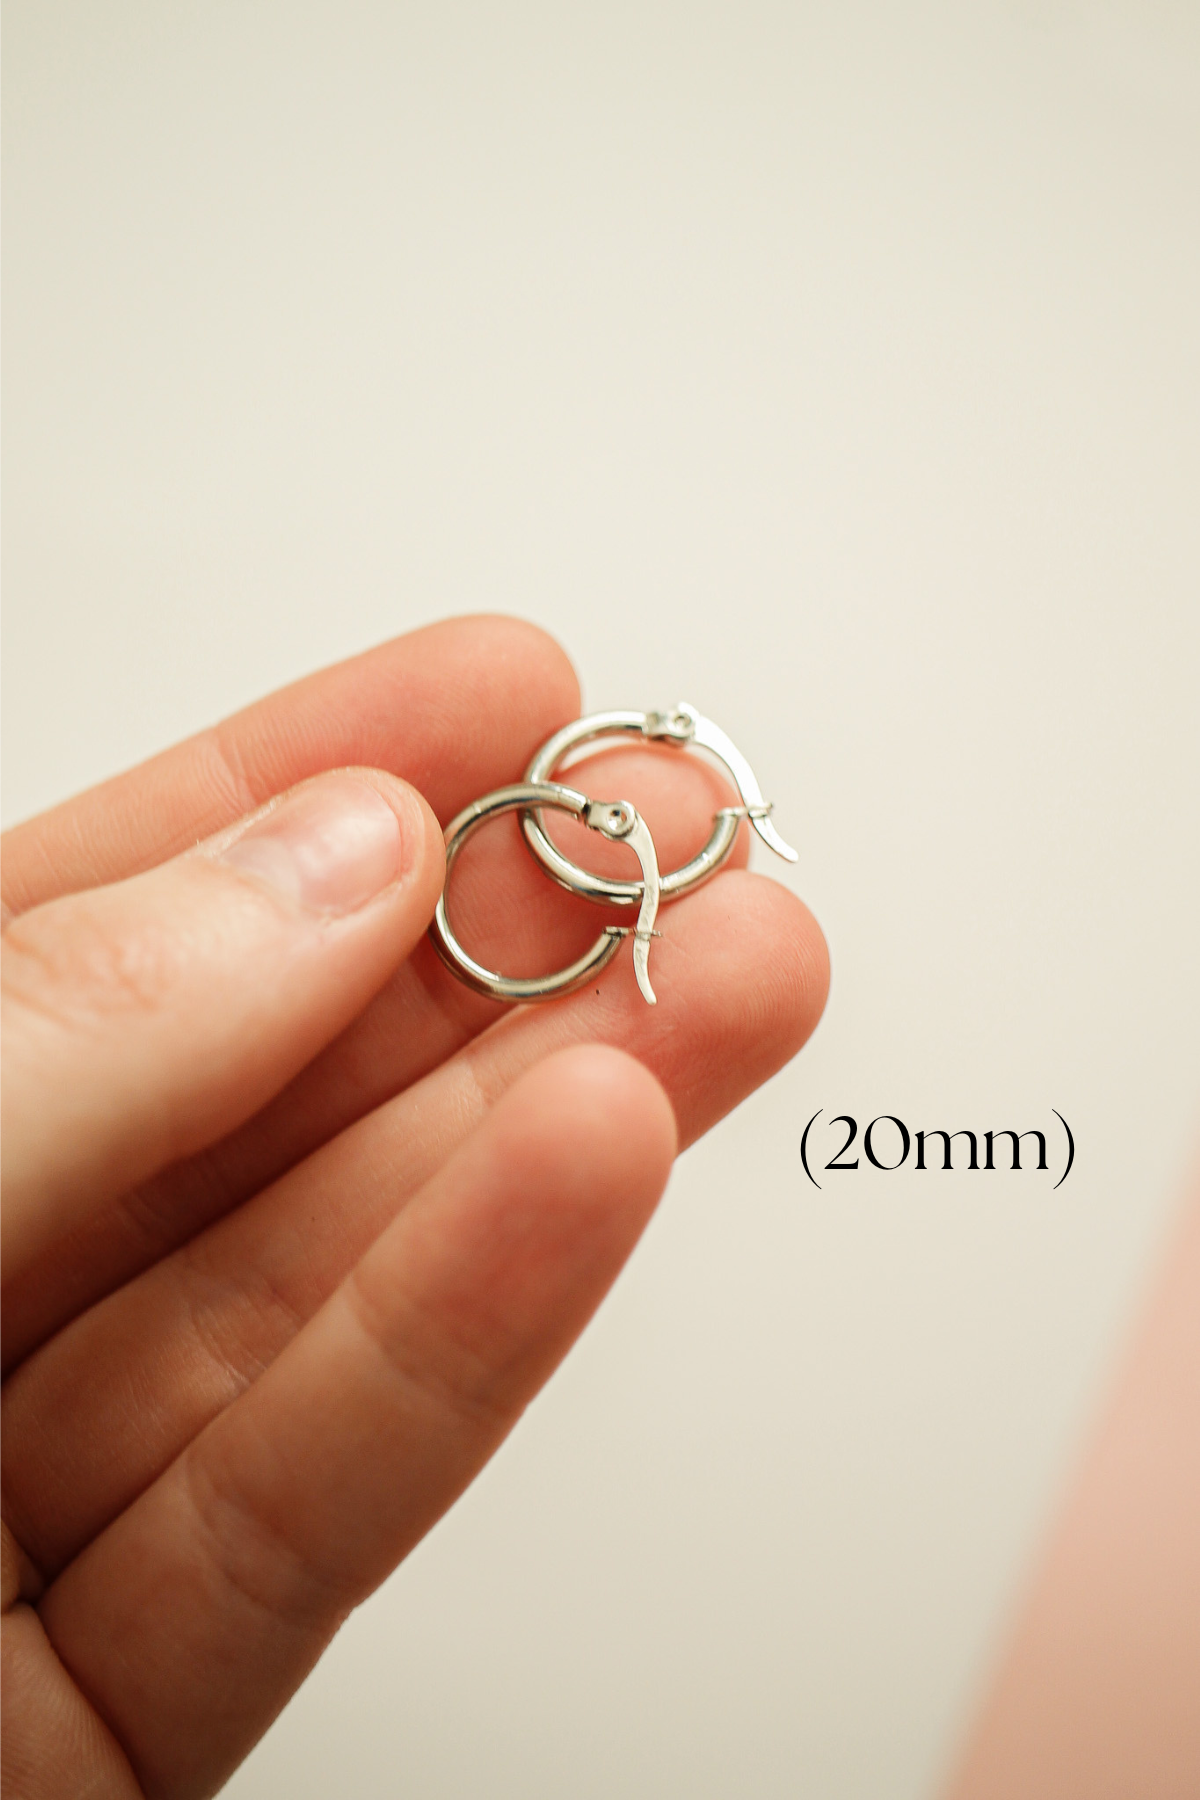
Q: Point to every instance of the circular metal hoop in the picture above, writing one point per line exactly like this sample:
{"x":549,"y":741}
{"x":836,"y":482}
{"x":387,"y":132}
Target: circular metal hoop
{"x":617,"y":820}
{"x":681,"y":727}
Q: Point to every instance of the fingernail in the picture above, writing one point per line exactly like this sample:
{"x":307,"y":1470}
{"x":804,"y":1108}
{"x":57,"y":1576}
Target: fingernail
{"x":330,"y":847}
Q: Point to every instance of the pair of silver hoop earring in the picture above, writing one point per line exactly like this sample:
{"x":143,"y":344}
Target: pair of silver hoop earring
{"x":619,"y":821}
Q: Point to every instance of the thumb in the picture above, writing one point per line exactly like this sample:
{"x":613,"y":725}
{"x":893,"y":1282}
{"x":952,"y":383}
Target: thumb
{"x":144,"y":1020}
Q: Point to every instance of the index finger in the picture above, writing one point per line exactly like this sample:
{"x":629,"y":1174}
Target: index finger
{"x":457,"y":705}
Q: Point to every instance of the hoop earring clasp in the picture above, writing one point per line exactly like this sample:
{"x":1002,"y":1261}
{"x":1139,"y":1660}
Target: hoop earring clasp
{"x":617,"y":820}
{"x":682,"y":727}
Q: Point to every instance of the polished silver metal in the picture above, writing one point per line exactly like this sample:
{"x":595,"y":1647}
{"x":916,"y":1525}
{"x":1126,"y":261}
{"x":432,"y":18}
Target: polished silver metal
{"x":617,"y":820}
{"x":682,"y":727}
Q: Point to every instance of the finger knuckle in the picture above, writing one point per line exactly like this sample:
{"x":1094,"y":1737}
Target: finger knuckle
{"x":93,"y":968}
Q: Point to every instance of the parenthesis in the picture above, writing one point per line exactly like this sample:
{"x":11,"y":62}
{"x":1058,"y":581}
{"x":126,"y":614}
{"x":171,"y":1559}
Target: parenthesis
{"x":804,"y":1148}
{"x":1070,"y":1145}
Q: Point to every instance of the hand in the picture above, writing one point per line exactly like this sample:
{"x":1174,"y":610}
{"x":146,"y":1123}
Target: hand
{"x":295,"y":1224}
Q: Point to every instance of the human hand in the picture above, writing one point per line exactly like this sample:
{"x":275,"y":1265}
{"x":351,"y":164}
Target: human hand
{"x":295,"y":1224}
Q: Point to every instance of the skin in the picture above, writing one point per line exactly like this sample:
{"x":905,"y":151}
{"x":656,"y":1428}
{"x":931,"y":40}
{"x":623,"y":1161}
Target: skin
{"x":274,"y":1179}
{"x":1098,"y":1691}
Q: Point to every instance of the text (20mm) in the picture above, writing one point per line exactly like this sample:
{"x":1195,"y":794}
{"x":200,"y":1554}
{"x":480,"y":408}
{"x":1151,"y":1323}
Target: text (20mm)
{"x":887,"y":1144}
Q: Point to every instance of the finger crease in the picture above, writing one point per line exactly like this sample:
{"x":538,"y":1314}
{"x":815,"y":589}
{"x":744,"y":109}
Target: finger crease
{"x":23,"y":1579}
{"x":462,"y":1392}
{"x":229,"y":762}
{"x":221,"y":1331}
{"x":254,"y":1556}
{"x":191,"y":1193}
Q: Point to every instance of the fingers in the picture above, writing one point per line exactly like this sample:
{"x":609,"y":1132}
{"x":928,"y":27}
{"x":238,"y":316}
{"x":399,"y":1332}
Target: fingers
{"x":195,"y":1616}
{"x":54,"y":1742}
{"x":94,"y":1416}
{"x":506,"y":909}
{"x":455,"y":709}
{"x":145,"y":1019}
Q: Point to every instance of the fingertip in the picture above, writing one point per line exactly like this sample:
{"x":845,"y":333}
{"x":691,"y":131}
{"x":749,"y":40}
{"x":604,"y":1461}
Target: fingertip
{"x":616,"y":1102}
{"x":780,"y":995}
{"x":339,"y":842}
{"x":512,"y":1245}
{"x":808,"y":967}
{"x":743,"y":973}
{"x":424,"y":845}
{"x":594,"y":1135}
{"x":512,"y":646}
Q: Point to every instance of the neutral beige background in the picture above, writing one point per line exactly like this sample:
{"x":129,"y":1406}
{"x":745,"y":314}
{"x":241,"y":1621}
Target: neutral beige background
{"x":835,"y":367}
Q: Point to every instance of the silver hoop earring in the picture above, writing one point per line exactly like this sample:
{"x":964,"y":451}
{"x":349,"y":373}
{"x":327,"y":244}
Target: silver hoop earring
{"x":617,"y":820}
{"x":681,"y":727}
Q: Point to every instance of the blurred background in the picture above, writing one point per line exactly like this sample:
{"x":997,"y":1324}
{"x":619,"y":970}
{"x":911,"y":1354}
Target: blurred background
{"x":836,"y":369}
